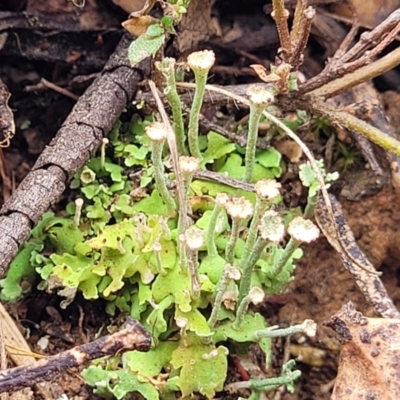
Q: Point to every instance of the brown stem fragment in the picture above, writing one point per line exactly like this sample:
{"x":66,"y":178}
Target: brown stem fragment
{"x":299,"y":37}
{"x":281,"y":15}
{"x":358,"y":56}
{"x":348,"y":39}
{"x":369,"y":39}
{"x":132,"y":337}
{"x":301,"y":6}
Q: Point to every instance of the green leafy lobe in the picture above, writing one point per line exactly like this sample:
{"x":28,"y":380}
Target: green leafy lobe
{"x":203,"y":367}
{"x":146,"y":45}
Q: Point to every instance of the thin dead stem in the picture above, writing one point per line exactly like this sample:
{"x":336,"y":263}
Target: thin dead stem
{"x":301,"y":6}
{"x":300,"y":37}
{"x":344,"y":46}
{"x":358,"y":56}
{"x":281,"y":15}
{"x":361,"y":75}
{"x":369,"y":39}
{"x":58,"y":89}
{"x":293,"y":43}
{"x":354,"y":124}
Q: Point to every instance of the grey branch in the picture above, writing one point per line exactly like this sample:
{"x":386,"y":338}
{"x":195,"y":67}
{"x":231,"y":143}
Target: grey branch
{"x":75,"y":143}
{"x":133,"y":337}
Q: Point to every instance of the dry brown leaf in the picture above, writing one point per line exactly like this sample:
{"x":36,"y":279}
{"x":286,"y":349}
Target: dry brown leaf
{"x":369,"y":364}
{"x":290,"y":149}
{"x":262,"y":73}
{"x":137,"y":26}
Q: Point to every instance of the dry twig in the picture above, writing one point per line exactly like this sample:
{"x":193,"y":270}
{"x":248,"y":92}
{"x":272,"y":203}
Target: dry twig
{"x":133,"y":337}
{"x":75,"y":143}
{"x":358,"y":56}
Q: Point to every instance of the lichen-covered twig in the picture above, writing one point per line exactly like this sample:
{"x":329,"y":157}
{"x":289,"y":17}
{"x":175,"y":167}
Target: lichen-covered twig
{"x":75,"y":143}
{"x":354,"y":260}
{"x":132,"y":337}
{"x":356,"y":125}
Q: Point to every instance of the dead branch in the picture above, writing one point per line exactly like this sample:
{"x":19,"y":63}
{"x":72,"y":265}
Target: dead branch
{"x":358,"y":56}
{"x":133,"y":337}
{"x":292,"y":4}
{"x":281,"y":16}
{"x":75,"y":143}
{"x":360,"y":75}
{"x":352,"y":123}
